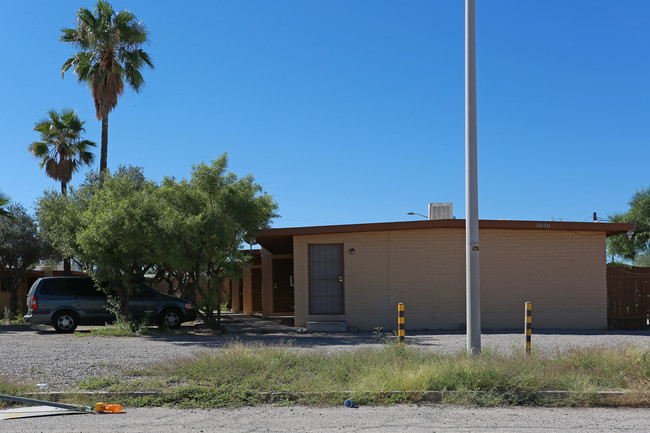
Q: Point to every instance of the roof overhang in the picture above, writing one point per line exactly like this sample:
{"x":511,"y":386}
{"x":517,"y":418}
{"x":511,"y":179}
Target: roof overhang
{"x":280,"y":241}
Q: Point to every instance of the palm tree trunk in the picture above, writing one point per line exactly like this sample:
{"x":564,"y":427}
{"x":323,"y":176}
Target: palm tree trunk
{"x":67,"y":269}
{"x":103,"y":161}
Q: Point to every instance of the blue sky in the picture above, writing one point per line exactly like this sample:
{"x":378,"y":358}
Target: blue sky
{"x":353,"y":111}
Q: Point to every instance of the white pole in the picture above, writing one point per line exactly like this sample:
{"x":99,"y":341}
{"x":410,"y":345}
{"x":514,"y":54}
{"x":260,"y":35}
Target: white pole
{"x":472,"y":281}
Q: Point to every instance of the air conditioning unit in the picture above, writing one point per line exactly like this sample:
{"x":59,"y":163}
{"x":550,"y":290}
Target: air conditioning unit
{"x":441,"y":211}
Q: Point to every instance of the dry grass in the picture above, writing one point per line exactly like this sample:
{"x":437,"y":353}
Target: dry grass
{"x":241,"y":374}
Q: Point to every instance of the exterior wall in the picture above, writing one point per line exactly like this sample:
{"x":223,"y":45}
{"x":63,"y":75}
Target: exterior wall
{"x":561,"y":272}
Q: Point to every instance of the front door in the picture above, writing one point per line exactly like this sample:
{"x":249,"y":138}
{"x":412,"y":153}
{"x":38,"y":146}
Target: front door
{"x":326,"y":279}
{"x":283,"y":285}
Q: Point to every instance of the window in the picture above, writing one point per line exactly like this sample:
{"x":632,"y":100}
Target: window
{"x":139,"y":290}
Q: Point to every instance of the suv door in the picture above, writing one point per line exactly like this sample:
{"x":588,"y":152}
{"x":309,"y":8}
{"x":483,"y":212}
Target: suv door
{"x":142,"y":301}
{"x":92,"y":303}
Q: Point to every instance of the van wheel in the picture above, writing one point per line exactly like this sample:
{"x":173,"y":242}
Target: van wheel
{"x":65,"y":321}
{"x":171,"y":318}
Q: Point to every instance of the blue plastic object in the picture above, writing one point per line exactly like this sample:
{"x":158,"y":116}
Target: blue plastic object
{"x":350,"y":403}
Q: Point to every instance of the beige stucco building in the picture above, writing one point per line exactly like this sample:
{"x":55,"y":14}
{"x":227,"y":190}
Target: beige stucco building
{"x":357,"y":274}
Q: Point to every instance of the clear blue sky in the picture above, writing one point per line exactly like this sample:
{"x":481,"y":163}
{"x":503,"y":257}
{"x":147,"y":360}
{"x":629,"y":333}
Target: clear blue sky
{"x":353,"y":111}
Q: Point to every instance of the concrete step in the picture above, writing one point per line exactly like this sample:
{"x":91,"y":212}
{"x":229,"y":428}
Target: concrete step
{"x":337,"y":326}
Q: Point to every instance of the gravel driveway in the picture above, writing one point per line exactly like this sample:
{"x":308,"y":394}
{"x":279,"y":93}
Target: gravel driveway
{"x":40,"y":355}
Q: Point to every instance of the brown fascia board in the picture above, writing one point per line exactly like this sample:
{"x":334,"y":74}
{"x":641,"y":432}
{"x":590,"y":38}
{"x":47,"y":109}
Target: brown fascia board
{"x":281,"y":239}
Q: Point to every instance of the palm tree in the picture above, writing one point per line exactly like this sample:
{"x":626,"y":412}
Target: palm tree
{"x":4,"y":200}
{"x":62,"y":150}
{"x":110,"y":52}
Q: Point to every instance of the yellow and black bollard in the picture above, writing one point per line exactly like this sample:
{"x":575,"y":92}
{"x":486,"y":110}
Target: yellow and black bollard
{"x":400,"y":324}
{"x":529,"y":326}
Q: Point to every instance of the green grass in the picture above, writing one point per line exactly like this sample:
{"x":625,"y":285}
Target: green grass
{"x":97,"y":383}
{"x":8,"y":386}
{"x":251,"y":374}
{"x":246,"y":374}
{"x":8,"y":319}
{"x":122,"y":328}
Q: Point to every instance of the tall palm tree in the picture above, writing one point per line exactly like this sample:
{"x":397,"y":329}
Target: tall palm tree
{"x":4,"y":200}
{"x":110,"y":52}
{"x":62,"y":150}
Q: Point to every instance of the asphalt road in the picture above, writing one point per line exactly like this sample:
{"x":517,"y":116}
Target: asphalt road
{"x":416,"y":418}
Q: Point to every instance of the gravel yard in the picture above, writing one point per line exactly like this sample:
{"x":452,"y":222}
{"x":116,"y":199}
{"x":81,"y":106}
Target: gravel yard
{"x":40,"y":355}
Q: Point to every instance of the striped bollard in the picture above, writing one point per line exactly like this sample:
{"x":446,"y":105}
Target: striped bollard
{"x":400,"y":324}
{"x":528,"y":326}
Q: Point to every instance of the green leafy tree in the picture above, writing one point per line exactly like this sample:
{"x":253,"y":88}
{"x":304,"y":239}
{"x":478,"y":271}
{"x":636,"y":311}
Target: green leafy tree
{"x":20,"y":250}
{"x":62,"y":149}
{"x":119,"y":230}
{"x":110,"y":52}
{"x":635,"y":245}
{"x":101,"y":226}
{"x":642,"y":260}
{"x":59,"y":221}
{"x":189,"y":231}
{"x":205,"y":221}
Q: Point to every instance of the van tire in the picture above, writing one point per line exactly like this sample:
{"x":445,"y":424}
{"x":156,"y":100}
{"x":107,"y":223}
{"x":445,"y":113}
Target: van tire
{"x":171,"y":318}
{"x":65,"y":321}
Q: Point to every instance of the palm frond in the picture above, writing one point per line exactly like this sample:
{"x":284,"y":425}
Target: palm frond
{"x":39,"y":149}
{"x":4,"y":200}
{"x":108,"y":41}
{"x":62,"y":149}
{"x":68,"y":35}
{"x":134,"y":78}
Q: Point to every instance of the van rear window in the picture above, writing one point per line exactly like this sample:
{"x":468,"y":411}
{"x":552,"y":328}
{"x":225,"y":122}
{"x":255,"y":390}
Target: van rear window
{"x":58,"y":287}
{"x":68,"y":287}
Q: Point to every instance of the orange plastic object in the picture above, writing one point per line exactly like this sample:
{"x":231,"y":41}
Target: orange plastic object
{"x":112,"y":408}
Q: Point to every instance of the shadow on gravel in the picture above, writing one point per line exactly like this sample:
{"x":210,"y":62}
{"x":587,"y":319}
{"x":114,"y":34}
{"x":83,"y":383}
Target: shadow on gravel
{"x":22,"y":328}
{"x":253,"y":329}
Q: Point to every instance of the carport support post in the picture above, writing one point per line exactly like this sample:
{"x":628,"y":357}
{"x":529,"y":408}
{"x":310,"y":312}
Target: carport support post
{"x":472,"y":279}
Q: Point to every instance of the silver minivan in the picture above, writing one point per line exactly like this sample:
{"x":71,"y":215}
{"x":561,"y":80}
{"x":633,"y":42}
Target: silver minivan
{"x":67,"y":302}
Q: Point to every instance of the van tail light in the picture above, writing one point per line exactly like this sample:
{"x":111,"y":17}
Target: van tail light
{"x":33,"y":303}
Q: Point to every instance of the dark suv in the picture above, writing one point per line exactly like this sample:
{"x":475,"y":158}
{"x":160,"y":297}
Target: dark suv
{"x":66,"y":302}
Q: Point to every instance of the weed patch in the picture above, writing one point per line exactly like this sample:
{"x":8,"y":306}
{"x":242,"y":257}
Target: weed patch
{"x":251,"y":374}
{"x":241,"y":374}
{"x":97,"y":383}
{"x":9,"y":386}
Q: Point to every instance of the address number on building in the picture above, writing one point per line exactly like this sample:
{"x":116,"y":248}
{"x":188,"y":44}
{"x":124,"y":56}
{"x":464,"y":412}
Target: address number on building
{"x":543,"y":226}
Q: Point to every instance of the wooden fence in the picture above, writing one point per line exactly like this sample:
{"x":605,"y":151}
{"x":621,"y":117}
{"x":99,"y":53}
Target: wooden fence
{"x":628,"y":297}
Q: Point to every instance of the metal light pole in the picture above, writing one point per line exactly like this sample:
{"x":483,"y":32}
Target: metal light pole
{"x":472,"y":281}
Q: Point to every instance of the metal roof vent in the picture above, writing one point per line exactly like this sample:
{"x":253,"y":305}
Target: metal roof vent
{"x":441,"y":211}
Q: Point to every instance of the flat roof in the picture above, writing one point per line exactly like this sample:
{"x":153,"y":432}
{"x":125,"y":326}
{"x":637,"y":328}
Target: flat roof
{"x":280,"y":240}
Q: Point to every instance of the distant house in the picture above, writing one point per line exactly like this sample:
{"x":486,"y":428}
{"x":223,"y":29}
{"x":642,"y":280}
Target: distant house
{"x":357,"y":274}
